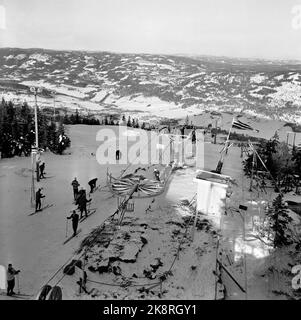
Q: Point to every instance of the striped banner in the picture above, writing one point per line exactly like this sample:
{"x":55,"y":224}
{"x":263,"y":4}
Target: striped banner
{"x":242,"y":126}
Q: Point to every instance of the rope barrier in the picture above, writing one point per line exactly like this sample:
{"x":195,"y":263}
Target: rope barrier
{"x":122,"y":285}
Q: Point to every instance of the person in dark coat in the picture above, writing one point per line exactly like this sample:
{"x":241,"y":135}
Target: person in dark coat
{"x":75,"y":186}
{"x":193,"y":136}
{"x":42,"y":168}
{"x":182,"y":132}
{"x":118,"y":154}
{"x":39,"y":196}
{"x":92,"y":184}
{"x":74,"y":216}
{"x":81,"y":193}
{"x":82,"y":203}
{"x":11,"y":272}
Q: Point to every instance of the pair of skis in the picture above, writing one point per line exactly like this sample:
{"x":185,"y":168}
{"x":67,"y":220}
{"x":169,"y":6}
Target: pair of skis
{"x":43,"y":208}
{"x":91,"y":211}
{"x":73,"y":236}
{"x":22,"y":296}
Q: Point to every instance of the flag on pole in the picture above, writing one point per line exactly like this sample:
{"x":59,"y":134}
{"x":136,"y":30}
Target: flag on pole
{"x":242,"y":126}
{"x":226,"y":147}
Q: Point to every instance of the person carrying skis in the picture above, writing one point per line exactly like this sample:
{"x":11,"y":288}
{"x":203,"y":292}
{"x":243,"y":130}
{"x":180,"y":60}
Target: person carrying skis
{"x":75,"y":218}
{"x":75,"y":186}
{"x":11,"y":272}
{"x":92,"y":184}
{"x":39,"y":196}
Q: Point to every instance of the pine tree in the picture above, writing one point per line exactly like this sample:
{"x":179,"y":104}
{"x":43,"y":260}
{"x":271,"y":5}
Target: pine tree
{"x":279,"y":221}
{"x":137,"y":124}
{"x":72,"y":119}
{"x":66,"y":119}
{"x":77,"y":117}
{"x":51,"y":136}
{"x":112,"y":123}
{"x":187,"y":121}
{"x":129,"y":123}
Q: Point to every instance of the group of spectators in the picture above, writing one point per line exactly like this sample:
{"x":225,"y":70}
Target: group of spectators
{"x":11,"y":146}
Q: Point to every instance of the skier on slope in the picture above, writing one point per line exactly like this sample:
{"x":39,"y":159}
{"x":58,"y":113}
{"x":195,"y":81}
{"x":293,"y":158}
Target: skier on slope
{"x":75,"y":218}
{"x":92,"y":184}
{"x":11,"y":272}
{"x":42,"y":168}
{"x":81,"y":193}
{"x":39,"y":196}
{"x":82,"y":202}
{"x":75,"y":186}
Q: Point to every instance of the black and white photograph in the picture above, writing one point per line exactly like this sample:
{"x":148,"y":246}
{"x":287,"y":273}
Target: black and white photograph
{"x":150,"y":150}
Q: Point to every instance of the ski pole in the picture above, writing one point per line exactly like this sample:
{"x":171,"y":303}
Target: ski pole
{"x":18,"y":283}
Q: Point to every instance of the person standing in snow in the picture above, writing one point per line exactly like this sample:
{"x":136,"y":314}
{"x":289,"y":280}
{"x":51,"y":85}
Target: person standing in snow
{"x":75,"y":218}
{"x":42,"y":168}
{"x":92,"y":184}
{"x":39,"y":196}
{"x":193,"y":136}
{"x":81,"y":193}
{"x":118,"y":153}
{"x":82,"y":203}
{"x":75,"y":186}
{"x":11,"y":272}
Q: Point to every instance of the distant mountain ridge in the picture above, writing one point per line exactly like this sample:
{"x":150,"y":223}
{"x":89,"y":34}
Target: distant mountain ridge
{"x":153,"y":85}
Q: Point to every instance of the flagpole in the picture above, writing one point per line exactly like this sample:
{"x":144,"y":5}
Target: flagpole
{"x":230,"y":130}
{"x":228,"y":137}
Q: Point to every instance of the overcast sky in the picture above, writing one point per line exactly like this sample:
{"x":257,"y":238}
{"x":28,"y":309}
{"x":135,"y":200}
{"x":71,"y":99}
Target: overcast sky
{"x":241,"y":28}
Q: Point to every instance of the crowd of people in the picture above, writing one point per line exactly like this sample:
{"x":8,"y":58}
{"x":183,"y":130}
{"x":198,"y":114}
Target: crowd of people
{"x":80,"y":199}
{"x":11,"y":146}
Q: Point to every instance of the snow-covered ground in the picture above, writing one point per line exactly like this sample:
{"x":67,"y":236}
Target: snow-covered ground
{"x":34,"y":243}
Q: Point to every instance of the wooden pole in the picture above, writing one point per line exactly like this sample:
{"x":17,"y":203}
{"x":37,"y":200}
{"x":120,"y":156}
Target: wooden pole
{"x":245,"y":256}
{"x":252,"y":173}
{"x":33,"y":193}
{"x":228,"y":137}
{"x":215,"y":131}
{"x":294,"y":140}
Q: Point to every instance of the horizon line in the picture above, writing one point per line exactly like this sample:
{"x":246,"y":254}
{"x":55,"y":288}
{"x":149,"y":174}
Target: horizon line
{"x":187,"y":55}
